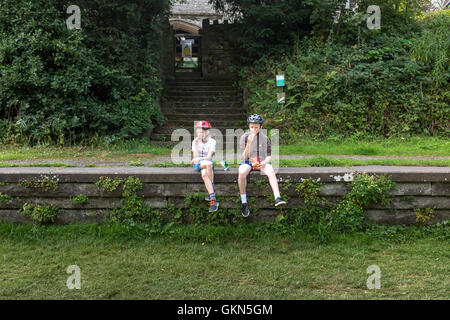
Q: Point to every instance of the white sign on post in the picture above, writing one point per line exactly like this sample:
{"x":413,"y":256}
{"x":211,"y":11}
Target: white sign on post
{"x":280,"y":80}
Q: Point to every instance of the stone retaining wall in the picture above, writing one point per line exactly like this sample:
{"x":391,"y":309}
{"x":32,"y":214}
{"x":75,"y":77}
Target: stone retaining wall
{"x":417,"y":187}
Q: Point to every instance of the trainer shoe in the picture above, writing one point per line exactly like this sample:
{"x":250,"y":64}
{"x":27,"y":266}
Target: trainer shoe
{"x":213,"y":206}
{"x":244,"y":210}
{"x":279,"y":201}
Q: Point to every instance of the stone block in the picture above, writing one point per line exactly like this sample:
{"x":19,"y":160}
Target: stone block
{"x":402,"y":217}
{"x":411,"y":188}
{"x":410,"y":202}
{"x":440,"y":189}
{"x":85,"y":216}
{"x":9,"y":215}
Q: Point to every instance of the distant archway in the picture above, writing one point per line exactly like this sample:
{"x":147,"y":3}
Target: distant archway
{"x":185,"y":26}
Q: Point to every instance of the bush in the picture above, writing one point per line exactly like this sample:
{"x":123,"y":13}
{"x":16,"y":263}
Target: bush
{"x":345,"y":80}
{"x":41,"y":214}
{"x":60,"y":85}
{"x":270,"y":28}
{"x":376,"y":89}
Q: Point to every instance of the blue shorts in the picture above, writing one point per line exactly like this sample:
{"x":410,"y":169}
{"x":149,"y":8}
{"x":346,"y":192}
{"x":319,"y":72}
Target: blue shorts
{"x":250,"y":164}
{"x":197,"y":167}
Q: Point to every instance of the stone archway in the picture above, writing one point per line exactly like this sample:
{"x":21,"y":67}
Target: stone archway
{"x":184,"y":26}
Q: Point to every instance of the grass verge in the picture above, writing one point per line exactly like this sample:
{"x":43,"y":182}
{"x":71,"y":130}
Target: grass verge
{"x":212,"y":262}
{"x":408,"y":146}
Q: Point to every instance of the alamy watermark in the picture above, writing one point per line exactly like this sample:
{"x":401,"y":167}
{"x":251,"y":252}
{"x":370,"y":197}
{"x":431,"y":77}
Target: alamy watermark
{"x":227,"y":146}
{"x":374,"y":21}
{"x":74,"y":21}
{"x":74,"y":281}
{"x":374,"y":280}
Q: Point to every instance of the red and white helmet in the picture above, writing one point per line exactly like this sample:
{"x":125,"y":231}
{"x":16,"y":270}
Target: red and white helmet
{"x":203,"y":124}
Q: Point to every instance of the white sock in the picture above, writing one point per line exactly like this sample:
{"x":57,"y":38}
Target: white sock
{"x":244,"y":198}
{"x":276,"y":194}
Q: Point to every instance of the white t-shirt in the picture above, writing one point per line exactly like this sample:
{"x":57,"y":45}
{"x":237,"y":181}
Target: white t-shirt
{"x":205,"y":148}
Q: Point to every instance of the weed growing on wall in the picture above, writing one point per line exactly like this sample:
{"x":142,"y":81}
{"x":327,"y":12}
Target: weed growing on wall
{"x":41,"y":214}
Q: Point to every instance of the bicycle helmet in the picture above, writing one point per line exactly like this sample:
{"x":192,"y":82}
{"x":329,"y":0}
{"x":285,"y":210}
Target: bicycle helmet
{"x":203,"y":124}
{"x":255,"y":118}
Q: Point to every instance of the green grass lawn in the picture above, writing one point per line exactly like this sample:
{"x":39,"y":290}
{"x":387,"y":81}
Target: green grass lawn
{"x":33,"y":266}
{"x":142,"y":150}
{"x":412,"y":146}
{"x":124,"y":151}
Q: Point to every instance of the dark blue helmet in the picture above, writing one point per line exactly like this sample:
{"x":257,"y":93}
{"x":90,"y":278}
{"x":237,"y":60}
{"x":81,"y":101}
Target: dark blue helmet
{"x":255,"y":118}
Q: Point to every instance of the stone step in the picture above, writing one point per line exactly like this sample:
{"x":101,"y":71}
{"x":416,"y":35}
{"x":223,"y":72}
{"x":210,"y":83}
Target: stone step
{"x":169,"y":130}
{"x":205,"y":83}
{"x":188,"y":75}
{"x":210,"y":93}
{"x":202,"y":99}
{"x":200,"y":116}
{"x":160,"y":137}
{"x":205,"y":104}
{"x":208,"y":110}
{"x":167,"y":137}
{"x":195,"y":76}
{"x":215,"y":123}
{"x":184,"y":88}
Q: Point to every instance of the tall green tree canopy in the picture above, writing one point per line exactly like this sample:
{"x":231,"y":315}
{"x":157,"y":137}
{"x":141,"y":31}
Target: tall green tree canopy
{"x":273,"y":27}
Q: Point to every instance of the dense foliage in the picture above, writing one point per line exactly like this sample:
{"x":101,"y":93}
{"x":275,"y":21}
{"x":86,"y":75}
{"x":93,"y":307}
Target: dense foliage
{"x":61,"y":85}
{"x":271,"y":27}
{"x":64,"y":86}
{"x":359,"y":82}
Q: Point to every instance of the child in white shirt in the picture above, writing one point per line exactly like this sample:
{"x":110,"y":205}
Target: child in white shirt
{"x":204,"y":148}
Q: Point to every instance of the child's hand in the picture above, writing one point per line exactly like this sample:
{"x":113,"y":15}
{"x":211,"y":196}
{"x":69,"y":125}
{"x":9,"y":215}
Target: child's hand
{"x":250,"y":138}
{"x":195,"y":160}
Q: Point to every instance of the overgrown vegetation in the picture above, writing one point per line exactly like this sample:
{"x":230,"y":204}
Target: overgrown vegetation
{"x":347,"y":215}
{"x":103,"y":82}
{"x":5,"y":198}
{"x":64,"y":86}
{"x":344,"y":80}
{"x":45,"y":183}
{"x":316,"y":216}
{"x":107,"y":184}
{"x":80,"y":199}
{"x":41,"y":214}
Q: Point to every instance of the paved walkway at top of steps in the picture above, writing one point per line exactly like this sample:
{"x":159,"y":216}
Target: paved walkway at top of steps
{"x":162,"y":175}
{"x":165,"y":159}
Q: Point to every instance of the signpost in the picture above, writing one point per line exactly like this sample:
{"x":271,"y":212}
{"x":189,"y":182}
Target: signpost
{"x":281,"y":96}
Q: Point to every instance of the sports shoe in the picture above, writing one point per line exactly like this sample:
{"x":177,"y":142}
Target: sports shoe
{"x":279,"y":201}
{"x":213,"y":206}
{"x":244,"y":210}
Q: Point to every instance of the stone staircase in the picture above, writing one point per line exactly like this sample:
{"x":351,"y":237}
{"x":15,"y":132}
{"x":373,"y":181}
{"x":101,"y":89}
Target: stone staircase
{"x":189,"y":98}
